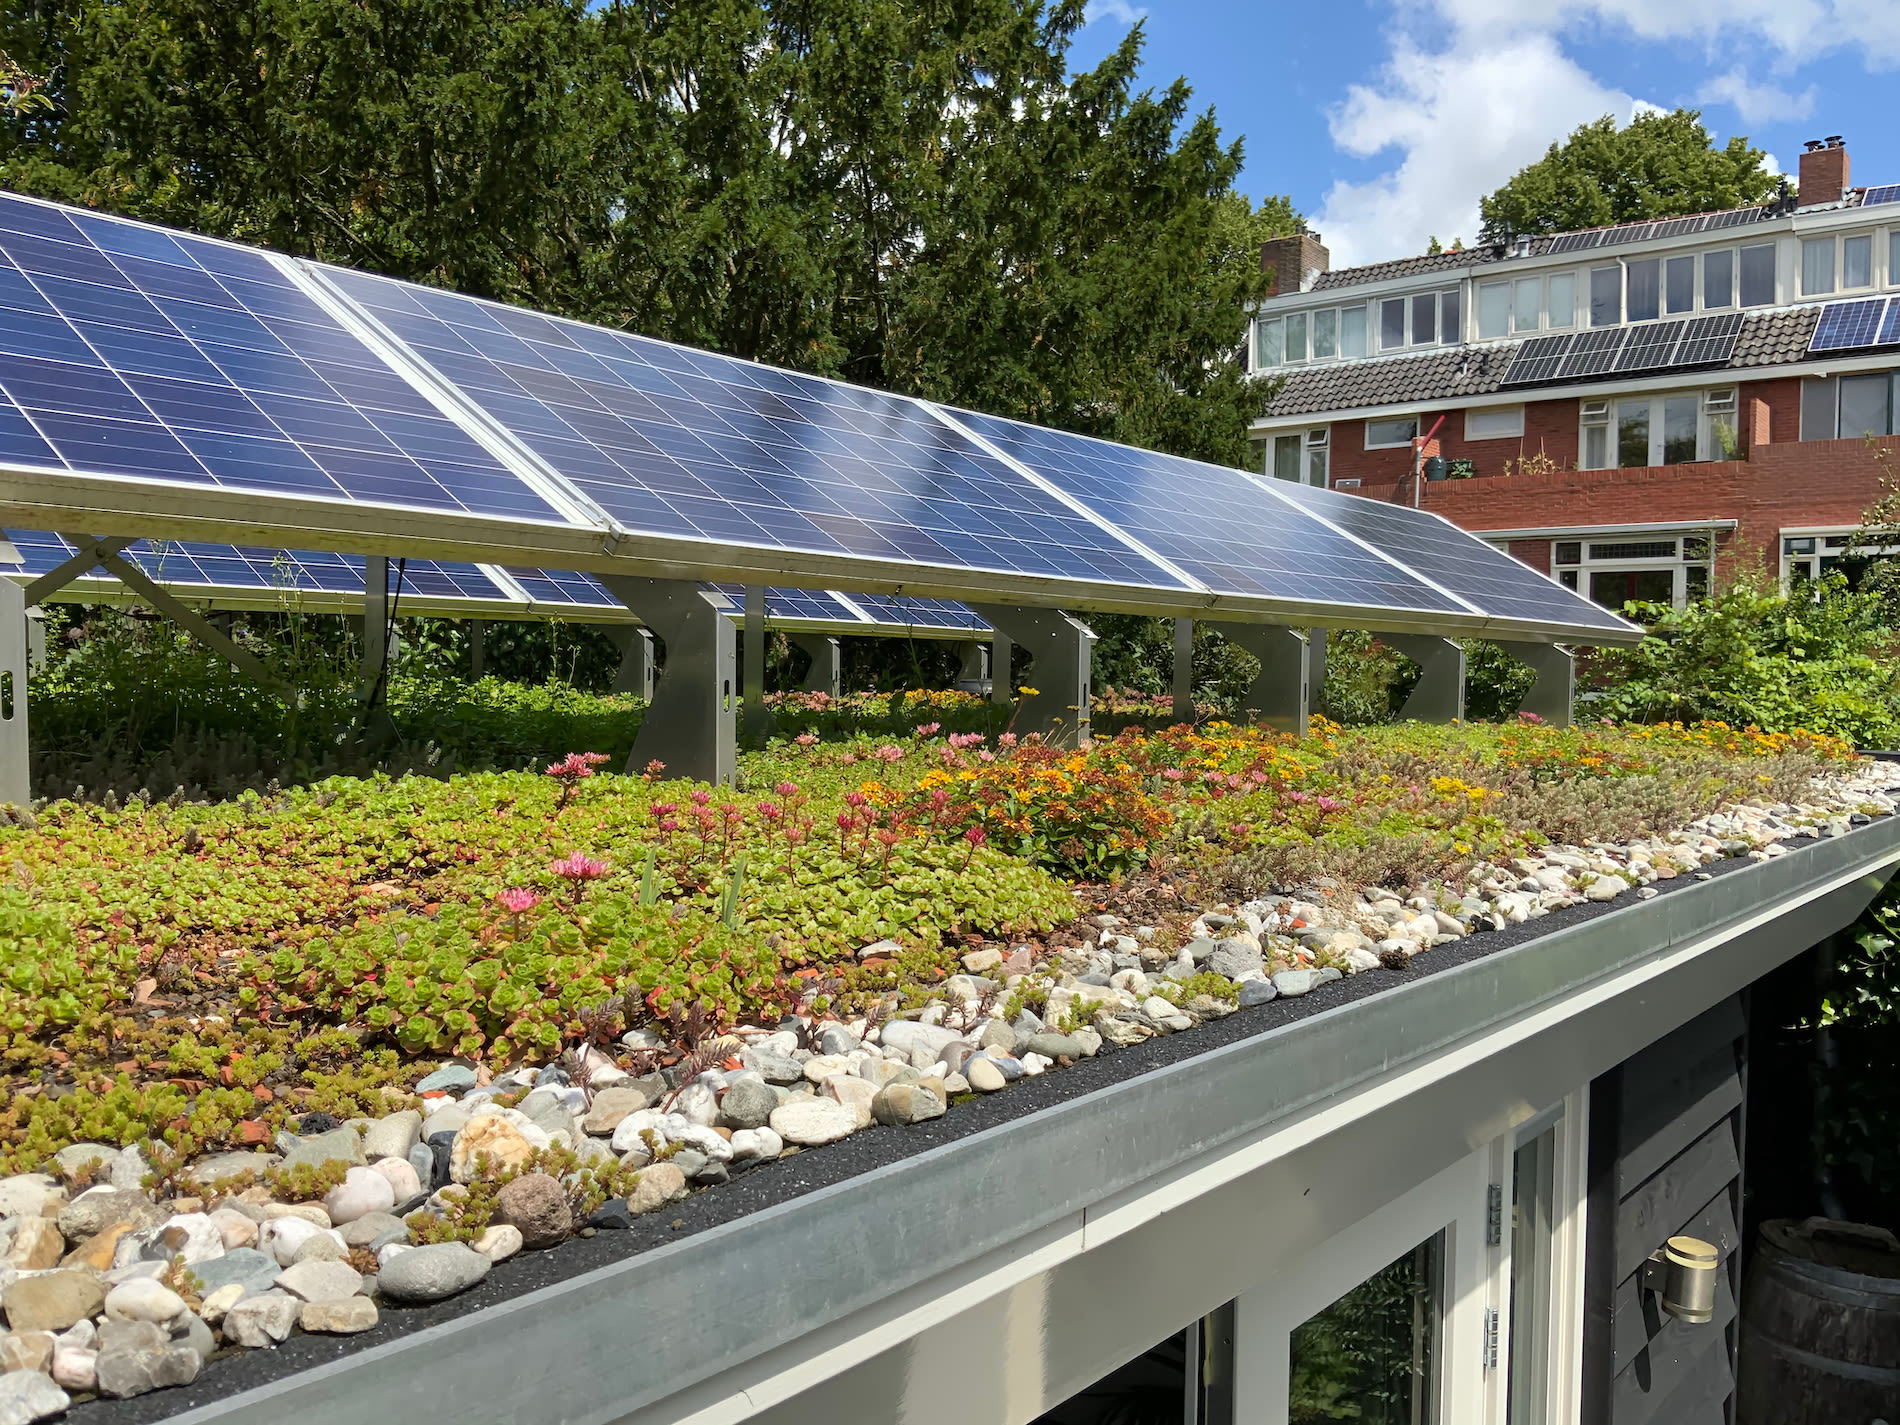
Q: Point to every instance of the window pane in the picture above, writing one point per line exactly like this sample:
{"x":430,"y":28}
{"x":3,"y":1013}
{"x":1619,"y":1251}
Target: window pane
{"x":1758,"y":275}
{"x":1450,"y":320}
{"x":1494,"y":308}
{"x":1864,"y":405}
{"x":1614,"y":588}
{"x":1857,"y":262}
{"x":1725,"y":441}
{"x":1533,"y":1235}
{"x":1286,"y":457}
{"x":1390,"y":433}
{"x":1296,"y":337}
{"x":1424,"y":318}
{"x":1563,"y":299}
{"x":1817,"y":266}
{"x":1817,"y":408}
{"x":1696,"y":581}
{"x":1527,"y":301}
{"x":1893,"y":258}
{"x":1316,"y":467}
{"x":1326,"y":333}
{"x":1267,"y":347}
{"x":1718,"y":279}
{"x":1679,"y":429}
{"x":1645,"y":292}
{"x":1372,"y":1356}
{"x":1596,"y":447}
{"x":1632,"y":433}
{"x":1352,"y":332}
{"x":1391,"y":323}
{"x":1568,"y":551}
{"x":1606,"y":296}
{"x":1679,"y":284}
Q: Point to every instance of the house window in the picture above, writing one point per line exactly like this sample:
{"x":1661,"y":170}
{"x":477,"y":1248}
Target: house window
{"x":1296,"y":336}
{"x":1679,"y":285}
{"x":1534,"y":1227}
{"x":1857,"y":262}
{"x":1817,"y":266}
{"x":1494,"y":423}
{"x":1286,"y":457}
{"x":1811,"y":556}
{"x":1269,"y":342}
{"x":1758,"y":275}
{"x":1374,"y":1353}
{"x":1391,"y":323}
{"x":1325,"y":334}
{"x":1322,"y":335}
{"x":1352,"y":332}
{"x":1527,"y":302}
{"x":1450,"y":319}
{"x":1391,"y":434}
{"x":1302,"y":455}
{"x":1721,"y":434}
{"x":1645,"y":289}
{"x":1893,"y":258}
{"x":1617,"y":569}
{"x":1847,"y":407}
{"x":1318,"y":450}
{"x":1425,"y":319}
{"x":1667,"y":429}
{"x":1718,"y":279}
{"x":1494,"y":309}
{"x":1596,"y":435}
{"x":1563,"y":299}
{"x":1606,"y":296}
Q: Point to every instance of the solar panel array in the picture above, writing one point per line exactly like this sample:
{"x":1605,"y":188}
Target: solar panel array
{"x":1694,"y":341}
{"x":181,"y":363}
{"x":1707,"y":341}
{"x":1886,"y":193}
{"x":1648,"y":347}
{"x":1666,"y":228}
{"x":1537,"y":360}
{"x":1593,"y":353}
{"x":1846,"y":325}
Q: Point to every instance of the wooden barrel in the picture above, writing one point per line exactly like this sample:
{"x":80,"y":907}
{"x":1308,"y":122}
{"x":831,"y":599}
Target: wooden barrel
{"x":1820,"y":1326}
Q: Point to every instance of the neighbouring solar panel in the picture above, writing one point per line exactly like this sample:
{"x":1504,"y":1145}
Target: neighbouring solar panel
{"x":919,"y":613}
{"x":1889,"y":326}
{"x":1681,"y":227}
{"x":160,"y":356}
{"x":40,"y":551}
{"x":563,"y":586}
{"x":1538,"y":360}
{"x":1846,"y":325}
{"x":1735,"y":218}
{"x":1885,"y":193}
{"x":1635,"y":232}
{"x":1648,"y":347}
{"x":688,"y":444}
{"x":1593,"y":353}
{"x":786,"y":605}
{"x":1214,"y":523}
{"x":1487,"y":578}
{"x":1576,"y":242}
{"x":1707,"y":340}
{"x":436,"y":579}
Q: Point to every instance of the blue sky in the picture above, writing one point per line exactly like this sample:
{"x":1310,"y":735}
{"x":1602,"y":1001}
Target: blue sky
{"x":1386,"y":122}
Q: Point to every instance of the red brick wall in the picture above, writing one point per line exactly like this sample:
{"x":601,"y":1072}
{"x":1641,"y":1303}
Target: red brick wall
{"x":1549,"y":426}
{"x":1783,"y":399}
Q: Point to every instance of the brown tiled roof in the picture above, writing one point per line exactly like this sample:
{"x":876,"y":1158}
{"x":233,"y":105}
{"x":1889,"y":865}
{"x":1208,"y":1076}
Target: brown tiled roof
{"x":1767,"y":339}
{"x":1406,"y":267}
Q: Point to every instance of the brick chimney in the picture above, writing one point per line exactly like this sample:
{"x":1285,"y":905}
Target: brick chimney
{"x":1293,"y":262}
{"x":1823,"y":171}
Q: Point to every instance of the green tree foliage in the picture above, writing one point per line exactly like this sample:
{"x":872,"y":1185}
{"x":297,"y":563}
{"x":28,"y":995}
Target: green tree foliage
{"x":914,"y":196}
{"x":1658,"y":166}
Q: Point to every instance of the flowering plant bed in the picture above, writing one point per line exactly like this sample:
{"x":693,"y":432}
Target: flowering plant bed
{"x":272,"y":1062}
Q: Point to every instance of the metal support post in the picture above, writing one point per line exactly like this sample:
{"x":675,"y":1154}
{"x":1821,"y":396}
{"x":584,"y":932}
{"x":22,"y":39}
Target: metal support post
{"x":1315,"y":668}
{"x":1281,"y":694}
{"x":758,"y":722}
{"x":1002,"y":689}
{"x":827,"y":662}
{"x":638,"y":669}
{"x":35,"y":641}
{"x":375,"y":620}
{"x":973,"y":667}
{"x":1184,"y":670}
{"x":476,"y":649}
{"x":1440,"y":694}
{"x":1059,"y":650}
{"x":689,"y":725}
{"x":16,"y":782}
{"x":1553,"y":697}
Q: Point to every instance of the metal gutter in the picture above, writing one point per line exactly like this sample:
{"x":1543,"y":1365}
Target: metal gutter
{"x":828,"y":1280}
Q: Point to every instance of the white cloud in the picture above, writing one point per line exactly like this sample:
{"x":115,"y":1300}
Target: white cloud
{"x":1756,"y":103}
{"x":1120,"y":11}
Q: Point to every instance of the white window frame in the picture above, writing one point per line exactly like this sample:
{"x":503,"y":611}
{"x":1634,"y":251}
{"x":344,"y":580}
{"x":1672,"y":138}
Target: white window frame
{"x":1576,"y":576}
{"x":1309,"y":315}
{"x":1509,"y":418}
{"x":1816,"y":253}
{"x":1601,"y":414}
{"x":1813,"y":559}
{"x":1405,"y":444}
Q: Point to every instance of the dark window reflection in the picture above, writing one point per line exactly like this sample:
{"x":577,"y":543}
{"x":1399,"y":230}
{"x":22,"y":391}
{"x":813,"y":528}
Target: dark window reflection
{"x":1186,"y":1380}
{"x":1372,"y":1356}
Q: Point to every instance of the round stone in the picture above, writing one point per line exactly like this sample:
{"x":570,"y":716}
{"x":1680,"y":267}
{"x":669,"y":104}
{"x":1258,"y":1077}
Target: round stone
{"x":984,"y":1075}
{"x":537,"y":1205}
{"x":431,"y":1273}
{"x":142,"y":1299}
{"x":362,"y":1191}
{"x":810,"y":1122}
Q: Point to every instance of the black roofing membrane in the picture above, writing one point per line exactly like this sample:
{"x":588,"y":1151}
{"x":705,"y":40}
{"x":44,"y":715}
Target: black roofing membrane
{"x":784,"y":1179}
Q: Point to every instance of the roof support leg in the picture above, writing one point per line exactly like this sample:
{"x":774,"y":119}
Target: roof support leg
{"x":1059,"y":647}
{"x":477,"y":648}
{"x":758,"y":722}
{"x":1553,"y":697}
{"x":16,"y":784}
{"x":375,"y":620}
{"x":827,"y":662}
{"x":637,"y":670}
{"x":1315,"y":669}
{"x":689,"y":725}
{"x":1440,"y":694}
{"x":1001,"y":653}
{"x":973,"y":665}
{"x":1184,"y":670}
{"x":1281,"y":694}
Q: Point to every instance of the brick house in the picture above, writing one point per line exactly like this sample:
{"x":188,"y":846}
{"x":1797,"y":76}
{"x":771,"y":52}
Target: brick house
{"x":1633,"y":409}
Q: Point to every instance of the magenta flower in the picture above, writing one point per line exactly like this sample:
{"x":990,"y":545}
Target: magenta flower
{"x":890,"y":752}
{"x":929,"y":729}
{"x":1008,"y":739}
{"x":976,"y":836}
{"x":702,"y":797}
{"x":578,"y":870}
{"x":806,"y":739}
{"x":518,"y":899}
{"x":786,"y":789}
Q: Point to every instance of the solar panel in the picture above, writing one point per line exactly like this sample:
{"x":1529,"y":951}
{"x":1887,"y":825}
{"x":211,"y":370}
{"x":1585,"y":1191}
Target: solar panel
{"x":1681,"y":227}
{"x":1576,"y":242}
{"x":1537,"y":360}
{"x":1707,"y":340}
{"x":1649,"y":346}
{"x":1635,"y":232}
{"x":1889,"y":326}
{"x":1735,"y":218}
{"x":908,"y":612}
{"x":1487,"y":578}
{"x":673,"y":442}
{"x":1216,"y":524}
{"x":1846,"y":325}
{"x":1593,"y":353}
{"x":790,"y":605}
{"x":40,"y":552}
{"x":563,"y":586}
{"x":166,"y":357}
{"x":1886,"y":193}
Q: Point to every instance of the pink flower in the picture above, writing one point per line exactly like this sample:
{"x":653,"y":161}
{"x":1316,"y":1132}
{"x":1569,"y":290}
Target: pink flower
{"x":854,"y":799}
{"x":806,"y":739}
{"x":1173,"y":774}
{"x":668,"y":824}
{"x":786,"y":789}
{"x":664,"y":808}
{"x":929,"y":729}
{"x":976,"y":836}
{"x":1327,"y":804}
{"x":964,"y":739}
{"x":890,"y":752}
{"x":701,"y":797}
{"x":986,"y":756}
{"x":578,"y":868}
{"x":771,"y":811}
{"x":1008,"y":739}
{"x":518,"y":899}
{"x":1528,"y":717}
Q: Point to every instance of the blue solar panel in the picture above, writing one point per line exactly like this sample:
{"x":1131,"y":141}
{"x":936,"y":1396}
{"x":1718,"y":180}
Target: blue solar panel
{"x":1889,"y":332}
{"x":781,"y":605}
{"x":907,"y":612}
{"x":40,"y":552}
{"x":1219,"y":526}
{"x":1846,"y":325}
{"x":135,"y":352}
{"x":687,"y":444}
{"x":563,"y":586}
{"x":1489,"y":580}
{"x":1886,"y":193}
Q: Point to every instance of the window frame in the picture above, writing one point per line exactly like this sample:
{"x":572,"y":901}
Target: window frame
{"x":1405,"y":444}
{"x":1472,"y":413}
{"x":1604,"y":414}
{"x":1689,"y":569}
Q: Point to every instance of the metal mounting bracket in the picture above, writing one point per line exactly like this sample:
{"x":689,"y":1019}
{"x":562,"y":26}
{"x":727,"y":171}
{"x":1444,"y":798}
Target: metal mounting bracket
{"x":689,"y":724}
{"x":827,"y":662}
{"x":16,"y":781}
{"x":637,"y":670}
{"x":1553,"y":697}
{"x":1440,"y":694}
{"x":1184,"y":670}
{"x":1059,"y":648}
{"x":1281,"y":694}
